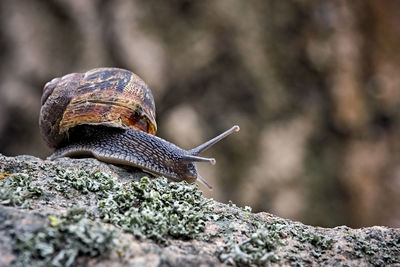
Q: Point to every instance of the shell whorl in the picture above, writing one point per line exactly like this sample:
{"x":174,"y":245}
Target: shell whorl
{"x":105,"y":96}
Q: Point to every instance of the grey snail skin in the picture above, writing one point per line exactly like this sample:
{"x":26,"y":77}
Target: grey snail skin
{"x":109,"y":114}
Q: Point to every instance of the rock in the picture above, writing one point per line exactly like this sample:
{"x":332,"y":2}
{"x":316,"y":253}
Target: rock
{"x":73,"y":212}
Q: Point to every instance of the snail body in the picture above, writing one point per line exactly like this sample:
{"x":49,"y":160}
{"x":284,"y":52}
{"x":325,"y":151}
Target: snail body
{"x":109,"y":114}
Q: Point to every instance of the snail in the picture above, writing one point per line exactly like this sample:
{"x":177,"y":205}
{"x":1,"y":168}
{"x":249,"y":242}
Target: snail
{"x":109,"y":114}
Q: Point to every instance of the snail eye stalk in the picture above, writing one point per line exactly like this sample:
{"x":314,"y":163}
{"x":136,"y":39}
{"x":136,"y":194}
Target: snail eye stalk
{"x":196,"y":151}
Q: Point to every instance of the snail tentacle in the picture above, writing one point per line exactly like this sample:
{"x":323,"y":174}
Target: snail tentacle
{"x":197,"y":150}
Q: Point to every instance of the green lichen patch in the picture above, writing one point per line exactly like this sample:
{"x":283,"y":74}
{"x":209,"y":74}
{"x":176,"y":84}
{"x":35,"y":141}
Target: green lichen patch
{"x":150,"y":208}
{"x":16,"y":190}
{"x":294,"y":243}
{"x":319,"y":241}
{"x":258,"y":249}
{"x":64,"y":240}
{"x":314,"y":243}
{"x":156,"y":209}
{"x":83,"y":181}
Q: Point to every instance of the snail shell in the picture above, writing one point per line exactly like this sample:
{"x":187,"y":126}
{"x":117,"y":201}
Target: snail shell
{"x":104,"y":96}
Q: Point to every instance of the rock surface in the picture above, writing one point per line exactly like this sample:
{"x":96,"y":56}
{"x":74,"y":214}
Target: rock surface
{"x":73,"y":212}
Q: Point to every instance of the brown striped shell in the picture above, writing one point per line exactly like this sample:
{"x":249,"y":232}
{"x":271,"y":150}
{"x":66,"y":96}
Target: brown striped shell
{"x":104,"y":96}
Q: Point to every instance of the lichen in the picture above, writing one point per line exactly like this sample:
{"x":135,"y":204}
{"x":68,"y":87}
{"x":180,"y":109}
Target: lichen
{"x":64,"y":240}
{"x":151,"y":208}
{"x":319,"y":241}
{"x":266,"y":241}
{"x":156,"y":209}
{"x":316,"y":244}
{"x":16,"y":190}
{"x":164,"y":212}
{"x":370,"y":246}
{"x":83,"y":181}
{"x":258,"y":249}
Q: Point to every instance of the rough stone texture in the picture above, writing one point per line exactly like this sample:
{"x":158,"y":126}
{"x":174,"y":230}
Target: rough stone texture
{"x":70,"y":219}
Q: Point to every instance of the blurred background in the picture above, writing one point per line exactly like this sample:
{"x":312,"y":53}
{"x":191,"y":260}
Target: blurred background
{"x":314,"y":86}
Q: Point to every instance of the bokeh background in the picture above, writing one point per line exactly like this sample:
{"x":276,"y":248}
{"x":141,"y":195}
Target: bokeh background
{"x":314,"y":86}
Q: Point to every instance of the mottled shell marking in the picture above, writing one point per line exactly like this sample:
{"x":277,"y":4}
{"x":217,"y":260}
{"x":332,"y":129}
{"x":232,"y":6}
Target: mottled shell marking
{"x":114,"y":94}
{"x":104,"y":96}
